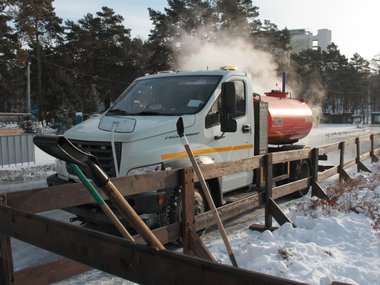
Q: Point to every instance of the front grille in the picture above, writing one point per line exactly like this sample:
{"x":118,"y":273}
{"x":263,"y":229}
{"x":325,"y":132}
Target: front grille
{"x":103,"y":153}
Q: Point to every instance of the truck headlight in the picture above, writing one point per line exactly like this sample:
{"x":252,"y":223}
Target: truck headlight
{"x":146,"y":169}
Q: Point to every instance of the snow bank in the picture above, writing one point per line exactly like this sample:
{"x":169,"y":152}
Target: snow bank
{"x":337,"y":241}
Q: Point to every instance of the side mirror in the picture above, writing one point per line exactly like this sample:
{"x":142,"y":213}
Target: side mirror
{"x":228,"y":102}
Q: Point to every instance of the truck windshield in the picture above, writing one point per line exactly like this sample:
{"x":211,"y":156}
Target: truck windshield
{"x":174,"y":95}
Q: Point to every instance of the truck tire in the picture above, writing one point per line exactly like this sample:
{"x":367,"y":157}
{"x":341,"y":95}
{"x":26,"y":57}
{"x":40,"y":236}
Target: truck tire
{"x":172,"y":213}
{"x":304,"y":171}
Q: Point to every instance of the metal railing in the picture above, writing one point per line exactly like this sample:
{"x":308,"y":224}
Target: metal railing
{"x":16,"y":149}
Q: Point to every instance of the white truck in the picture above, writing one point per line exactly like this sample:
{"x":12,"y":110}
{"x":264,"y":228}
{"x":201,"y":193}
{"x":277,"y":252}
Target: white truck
{"x":223,"y":121}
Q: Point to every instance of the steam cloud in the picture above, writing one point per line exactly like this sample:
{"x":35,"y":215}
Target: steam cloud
{"x":201,"y":54}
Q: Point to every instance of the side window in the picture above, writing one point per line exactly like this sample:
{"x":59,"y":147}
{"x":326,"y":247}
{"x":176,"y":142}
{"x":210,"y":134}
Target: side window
{"x":212,"y":118}
{"x":240,"y":99}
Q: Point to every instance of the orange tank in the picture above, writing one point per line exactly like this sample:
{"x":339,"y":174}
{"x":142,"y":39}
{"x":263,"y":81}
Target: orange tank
{"x":289,"y":120}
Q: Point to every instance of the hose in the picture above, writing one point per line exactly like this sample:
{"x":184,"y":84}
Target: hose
{"x":114,"y":125}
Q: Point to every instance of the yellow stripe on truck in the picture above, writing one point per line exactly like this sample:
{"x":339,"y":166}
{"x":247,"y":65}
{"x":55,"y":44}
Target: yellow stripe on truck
{"x":206,"y":151}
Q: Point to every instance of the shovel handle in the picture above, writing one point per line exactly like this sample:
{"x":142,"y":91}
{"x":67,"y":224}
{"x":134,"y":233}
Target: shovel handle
{"x":131,"y":216}
{"x":102,"y":204}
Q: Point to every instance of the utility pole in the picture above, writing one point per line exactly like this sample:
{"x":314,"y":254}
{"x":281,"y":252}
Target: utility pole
{"x":28,"y":109}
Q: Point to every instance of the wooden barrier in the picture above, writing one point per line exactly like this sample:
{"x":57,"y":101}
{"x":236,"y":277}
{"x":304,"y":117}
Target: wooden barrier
{"x":87,"y":249}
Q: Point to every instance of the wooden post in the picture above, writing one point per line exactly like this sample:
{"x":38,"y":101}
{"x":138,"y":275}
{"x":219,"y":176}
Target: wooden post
{"x":268,"y":189}
{"x":360,"y":165}
{"x":188,"y":221}
{"x":357,"y":142}
{"x":314,"y":169}
{"x":372,"y":152}
{"x":343,"y":175}
{"x":341,"y":161}
{"x":6,"y":261}
{"x":192,"y":243}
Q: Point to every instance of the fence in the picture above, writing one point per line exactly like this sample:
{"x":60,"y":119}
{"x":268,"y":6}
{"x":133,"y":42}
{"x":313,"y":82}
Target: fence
{"x":16,"y":149}
{"x":84,"y":249}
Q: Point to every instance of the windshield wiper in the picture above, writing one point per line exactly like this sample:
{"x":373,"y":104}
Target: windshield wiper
{"x":117,"y":112}
{"x":155,"y":113}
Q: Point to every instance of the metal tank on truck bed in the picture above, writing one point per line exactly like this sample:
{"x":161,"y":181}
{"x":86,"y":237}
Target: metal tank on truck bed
{"x":138,"y":134}
{"x":289,"y":120}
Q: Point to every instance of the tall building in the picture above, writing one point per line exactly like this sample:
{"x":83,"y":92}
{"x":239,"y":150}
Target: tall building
{"x":301,"y":39}
{"x":323,"y":38}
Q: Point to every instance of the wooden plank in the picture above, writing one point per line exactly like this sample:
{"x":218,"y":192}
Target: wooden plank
{"x":328,"y":148}
{"x":345,"y":176}
{"x":319,"y":192}
{"x":165,"y":234}
{"x":314,"y":171}
{"x":289,"y":188}
{"x":291,"y":155}
{"x":365,"y":156}
{"x":6,"y":260}
{"x":188,"y":224}
{"x":172,"y":232}
{"x":350,"y":142}
{"x":122,"y":258}
{"x":230,"y":210}
{"x":277,"y":213}
{"x":268,"y":190}
{"x":231,"y":167}
{"x":328,"y":173}
{"x":357,"y":141}
{"x":363,"y":167}
{"x":349,"y":163}
{"x":341,"y":161}
{"x":50,"y":272}
{"x":197,"y":247}
{"x":372,"y":152}
{"x":57,"y":197}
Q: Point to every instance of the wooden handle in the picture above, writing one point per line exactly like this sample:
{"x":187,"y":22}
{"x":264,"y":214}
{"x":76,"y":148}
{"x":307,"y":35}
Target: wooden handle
{"x":131,"y":216}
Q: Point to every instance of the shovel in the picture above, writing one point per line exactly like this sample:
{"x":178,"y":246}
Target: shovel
{"x":61,"y":148}
{"x":206,"y":191}
{"x":102,"y":204}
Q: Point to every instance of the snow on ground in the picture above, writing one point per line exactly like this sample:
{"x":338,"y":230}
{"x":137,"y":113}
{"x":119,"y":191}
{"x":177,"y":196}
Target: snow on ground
{"x":43,"y":166}
{"x":337,"y":241}
{"x":331,"y":242}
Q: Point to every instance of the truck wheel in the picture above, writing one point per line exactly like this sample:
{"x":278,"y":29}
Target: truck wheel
{"x":304,"y":172}
{"x":172,"y":213}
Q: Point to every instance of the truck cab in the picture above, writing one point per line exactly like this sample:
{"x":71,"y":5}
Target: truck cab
{"x":137,"y":134}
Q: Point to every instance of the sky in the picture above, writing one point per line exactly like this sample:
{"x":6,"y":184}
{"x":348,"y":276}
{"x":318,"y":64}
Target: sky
{"x":354,"y":24}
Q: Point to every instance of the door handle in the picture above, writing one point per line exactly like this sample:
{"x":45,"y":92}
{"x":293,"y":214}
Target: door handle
{"x":246,"y":128}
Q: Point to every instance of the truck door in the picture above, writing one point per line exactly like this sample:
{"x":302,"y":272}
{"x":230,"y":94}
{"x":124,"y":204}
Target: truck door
{"x":233,"y":146}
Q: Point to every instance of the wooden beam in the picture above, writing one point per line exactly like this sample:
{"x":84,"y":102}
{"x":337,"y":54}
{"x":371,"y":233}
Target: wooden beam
{"x":363,"y":167}
{"x":122,"y":258}
{"x":231,"y":167}
{"x":6,"y":261}
{"x":268,"y":189}
{"x":289,"y":188}
{"x":341,"y":170}
{"x":319,"y":192}
{"x":328,"y":173}
{"x":374,"y":158}
{"x":50,"y":272}
{"x":277,"y":213}
{"x":291,"y":155}
{"x":197,"y":248}
{"x":344,"y":175}
{"x":329,"y":148}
